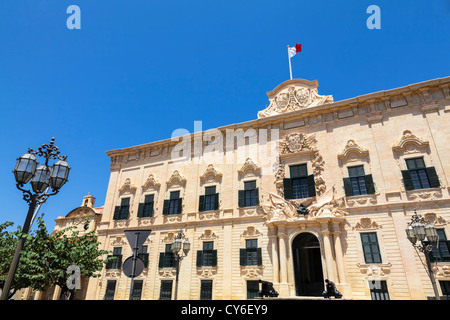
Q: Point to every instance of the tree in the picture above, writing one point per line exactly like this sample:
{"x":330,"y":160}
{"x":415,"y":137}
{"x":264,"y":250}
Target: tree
{"x":46,"y":258}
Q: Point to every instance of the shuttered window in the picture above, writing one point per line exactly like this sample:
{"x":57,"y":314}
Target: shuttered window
{"x":378,"y":290}
{"x":121,"y":212}
{"x":206,"y":290}
{"x":418,"y":176}
{"x":207,"y":256}
{"x":115,"y":263}
{"x":165,"y":292}
{"x":299,"y":185}
{"x":358,"y":183}
{"x":137,"y":290}
{"x":110,"y":290}
{"x":167,"y":258}
{"x":251,"y":255}
{"x":173,"y":205}
{"x":209,"y":201}
{"x":370,"y":246}
{"x":249,"y":196}
{"x":146,"y":208}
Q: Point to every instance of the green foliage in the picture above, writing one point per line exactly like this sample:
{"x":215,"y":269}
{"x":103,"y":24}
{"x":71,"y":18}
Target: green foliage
{"x":45,"y":257}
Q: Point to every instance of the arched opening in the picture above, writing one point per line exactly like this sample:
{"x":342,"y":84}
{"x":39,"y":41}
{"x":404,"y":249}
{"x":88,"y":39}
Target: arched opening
{"x":307,"y":265}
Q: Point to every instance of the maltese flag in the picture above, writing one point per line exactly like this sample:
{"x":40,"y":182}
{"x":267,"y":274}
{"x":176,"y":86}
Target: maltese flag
{"x":294,"y":50}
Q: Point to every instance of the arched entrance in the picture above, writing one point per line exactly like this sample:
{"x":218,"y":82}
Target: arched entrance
{"x":307,"y":265}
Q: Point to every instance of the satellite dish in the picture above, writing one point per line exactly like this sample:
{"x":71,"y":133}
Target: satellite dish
{"x":127,"y":267}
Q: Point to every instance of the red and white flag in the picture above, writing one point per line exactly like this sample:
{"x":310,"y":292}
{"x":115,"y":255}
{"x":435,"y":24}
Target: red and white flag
{"x":294,"y":50}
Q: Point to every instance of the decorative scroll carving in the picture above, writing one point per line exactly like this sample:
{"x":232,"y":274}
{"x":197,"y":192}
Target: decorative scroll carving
{"x":293,"y":95}
{"x":352,"y":152}
{"x":409,"y":143}
{"x":296,"y":142}
{"x":127,"y":187}
{"x":210,"y":174}
{"x":252,"y":272}
{"x":249,"y":165}
{"x":366,"y":223}
{"x":176,"y":178}
{"x":251,"y":232}
{"x":208,"y":235}
{"x":433,"y":218}
{"x":151,"y":182}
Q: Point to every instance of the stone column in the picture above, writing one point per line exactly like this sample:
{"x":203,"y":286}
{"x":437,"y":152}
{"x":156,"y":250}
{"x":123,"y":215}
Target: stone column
{"x":282,"y":245}
{"x":274,"y":243}
{"x":329,"y":260}
{"x":338,"y":252}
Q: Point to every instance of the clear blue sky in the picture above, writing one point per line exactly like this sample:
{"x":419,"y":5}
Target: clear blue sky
{"x":139,"y":69}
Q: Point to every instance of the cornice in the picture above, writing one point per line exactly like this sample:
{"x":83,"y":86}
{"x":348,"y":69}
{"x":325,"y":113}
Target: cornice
{"x":420,"y":88}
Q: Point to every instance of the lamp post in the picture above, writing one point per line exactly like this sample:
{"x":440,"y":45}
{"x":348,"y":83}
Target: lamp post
{"x":179,"y":254}
{"x":42,"y":179}
{"x":419,"y":229}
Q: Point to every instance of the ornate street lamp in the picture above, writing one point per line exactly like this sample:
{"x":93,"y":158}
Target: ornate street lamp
{"x":179,"y":254}
{"x":42,"y":179}
{"x":419,"y":229}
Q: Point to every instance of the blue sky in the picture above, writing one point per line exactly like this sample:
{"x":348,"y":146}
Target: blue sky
{"x":139,"y":69}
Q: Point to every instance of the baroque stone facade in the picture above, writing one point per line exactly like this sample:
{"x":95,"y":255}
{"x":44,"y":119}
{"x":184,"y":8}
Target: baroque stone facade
{"x":347,"y":162}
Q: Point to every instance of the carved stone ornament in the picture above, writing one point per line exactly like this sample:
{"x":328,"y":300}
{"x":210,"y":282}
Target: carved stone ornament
{"x":251,"y":232}
{"x":176,"y":178}
{"x":127,"y":187}
{"x":249,"y":165}
{"x":210,"y":174}
{"x":409,"y":143}
{"x":151,"y":182}
{"x":366,"y":223}
{"x":296,"y":142}
{"x":352,"y":152}
{"x":293,"y":95}
{"x":208,"y":235}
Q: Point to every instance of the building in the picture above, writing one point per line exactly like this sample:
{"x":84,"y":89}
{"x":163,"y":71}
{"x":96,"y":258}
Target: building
{"x":361,"y":166}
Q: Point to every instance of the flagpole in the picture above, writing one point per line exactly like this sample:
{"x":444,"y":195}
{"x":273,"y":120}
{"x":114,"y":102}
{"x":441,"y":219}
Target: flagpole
{"x":290,"y":67}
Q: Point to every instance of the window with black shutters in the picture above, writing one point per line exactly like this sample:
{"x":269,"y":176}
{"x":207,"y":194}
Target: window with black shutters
{"x":378,"y":290}
{"x":137,"y":290}
{"x":206,"y":290}
{"x":250,"y":195}
{"x":173,"y":205}
{"x":115,"y":263}
{"x":441,"y":250}
{"x":146,"y":209}
{"x":252,"y":289}
{"x":251,"y":255}
{"x":445,"y":288}
{"x":165,"y":292}
{"x":299,"y":185}
{"x":207,"y":256}
{"x":418,"y":176}
{"x":110,"y":290}
{"x":209,"y":201}
{"x":167,"y":258}
{"x":358,"y":183}
{"x":370,"y":246}
{"x":121,"y":212}
{"x":143,"y":255}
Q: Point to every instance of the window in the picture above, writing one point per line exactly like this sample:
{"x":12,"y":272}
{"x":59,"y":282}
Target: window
{"x":358,"y":183}
{"x":445,"y":288}
{"x":174,"y":204}
{"x":370,"y":247}
{"x":378,"y":290}
{"x":146,"y":209}
{"x":250,"y":195}
{"x":121,"y":212}
{"x":110,"y":290}
{"x":252,"y":289}
{"x":166,"y":290}
{"x":441,"y":249}
{"x":206,"y":290}
{"x":137,"y":290}
{"x":251,"y":255}
{"x":143,"y":255}
{"x":210,"y":201}
{"x":207,"y":256}
{"x":418,"y":176}
{"x":117,"y":262}
{"x":167,"y":258}
{"x":299,"y":185}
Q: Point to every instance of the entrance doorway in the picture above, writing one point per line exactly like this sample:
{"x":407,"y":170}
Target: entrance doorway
{"x":307,"y":265}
